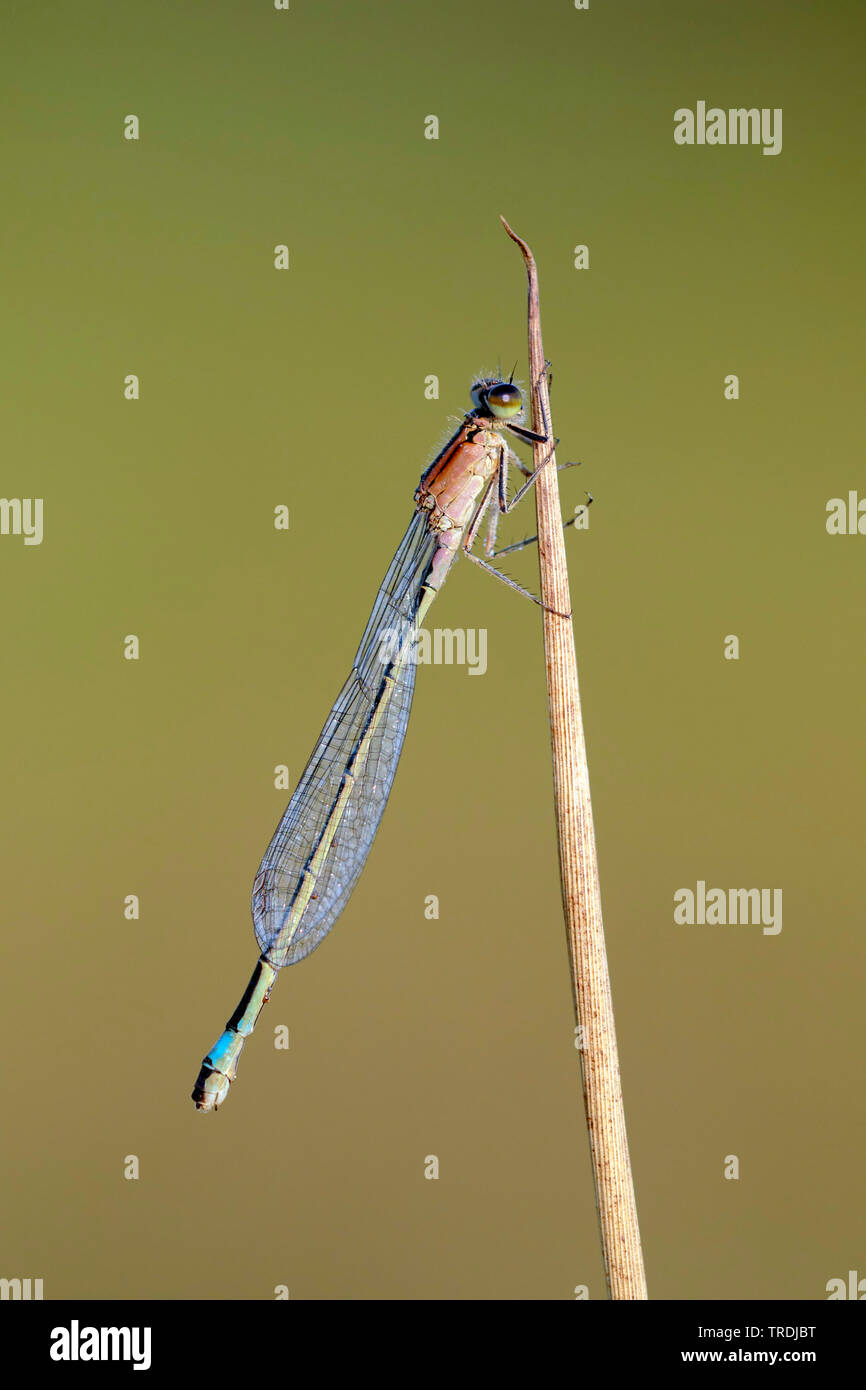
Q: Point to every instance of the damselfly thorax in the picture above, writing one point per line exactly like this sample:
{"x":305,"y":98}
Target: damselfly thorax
{"x":454,"y":484}
{"x":455,"y":488}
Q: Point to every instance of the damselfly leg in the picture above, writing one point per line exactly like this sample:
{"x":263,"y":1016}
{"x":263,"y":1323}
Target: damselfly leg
{"x":532,"y":540}
{"x":469,"y":540}
{"x":502,"y":507}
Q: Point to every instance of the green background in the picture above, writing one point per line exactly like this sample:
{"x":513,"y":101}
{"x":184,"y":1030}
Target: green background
{"x":411,"y":1037}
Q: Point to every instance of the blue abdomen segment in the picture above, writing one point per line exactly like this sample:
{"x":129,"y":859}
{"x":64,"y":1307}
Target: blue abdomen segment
{"x":220,"y":1067}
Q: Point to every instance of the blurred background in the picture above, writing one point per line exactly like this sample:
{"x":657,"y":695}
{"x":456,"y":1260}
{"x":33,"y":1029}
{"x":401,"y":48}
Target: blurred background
{"x":413,"y":1037}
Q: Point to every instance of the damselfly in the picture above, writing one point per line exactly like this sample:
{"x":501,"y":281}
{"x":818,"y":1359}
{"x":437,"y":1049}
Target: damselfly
{"x":321,"y":844}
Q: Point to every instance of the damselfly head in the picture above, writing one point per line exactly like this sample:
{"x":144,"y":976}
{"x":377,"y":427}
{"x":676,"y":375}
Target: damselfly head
{"x":501,"y":399}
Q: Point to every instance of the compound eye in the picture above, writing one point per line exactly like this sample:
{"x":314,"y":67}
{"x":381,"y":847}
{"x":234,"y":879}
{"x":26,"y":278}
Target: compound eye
{"x":503,"y":400}
{"x":477,"y":393}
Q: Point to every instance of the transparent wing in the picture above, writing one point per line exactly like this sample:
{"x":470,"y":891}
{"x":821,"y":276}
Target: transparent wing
{"x":300,"y":830}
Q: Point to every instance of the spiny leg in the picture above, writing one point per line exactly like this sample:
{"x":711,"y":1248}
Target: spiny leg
{"x":491,"y":569}
{"x":504,"y":506}
{"x":469,"y":539}
{"x":531,"y":540}
{"x":528,"y":436}
{"x":528,"y":472}
{"x":475,"y":524}
{"x":505,"y":453}
{"x":533,"y":477}
{"x":544,"y":420}
{"x":490,"y":538}
{"x":501,"y":481}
